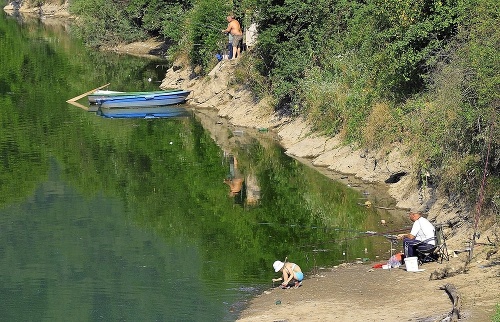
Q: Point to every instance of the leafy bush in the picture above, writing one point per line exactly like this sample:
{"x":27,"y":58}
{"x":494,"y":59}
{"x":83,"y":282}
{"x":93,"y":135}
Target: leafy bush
{"x":158,"y":17}
{"x":113,"y":22}
{"x":105,"y":23}
{"x":206,"y":21}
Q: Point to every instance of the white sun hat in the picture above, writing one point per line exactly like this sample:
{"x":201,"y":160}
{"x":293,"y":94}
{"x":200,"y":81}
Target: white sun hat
{"x":278,"y":265}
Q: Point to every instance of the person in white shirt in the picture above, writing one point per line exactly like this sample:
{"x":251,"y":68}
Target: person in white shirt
{"x":421,"y":236}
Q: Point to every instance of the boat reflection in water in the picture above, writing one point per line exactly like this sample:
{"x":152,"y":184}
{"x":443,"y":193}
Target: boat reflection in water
{"x":168,"y":111}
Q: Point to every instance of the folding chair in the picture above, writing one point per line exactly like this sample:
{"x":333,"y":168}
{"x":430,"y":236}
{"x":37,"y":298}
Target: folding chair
{"x":439,"y":251}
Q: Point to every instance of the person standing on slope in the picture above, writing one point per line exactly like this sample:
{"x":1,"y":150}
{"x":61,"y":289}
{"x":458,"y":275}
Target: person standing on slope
{"x":234,"y":28}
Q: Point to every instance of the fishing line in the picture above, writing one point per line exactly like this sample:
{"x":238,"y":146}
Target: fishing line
{"x":386,"y":235}
{"x":339,"y":229}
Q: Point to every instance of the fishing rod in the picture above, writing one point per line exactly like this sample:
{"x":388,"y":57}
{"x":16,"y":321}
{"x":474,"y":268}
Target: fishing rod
{"x":206,"y":26}
{"x":388,"y":235}
{"x":339,"y":229}
{"x":308,"y":227}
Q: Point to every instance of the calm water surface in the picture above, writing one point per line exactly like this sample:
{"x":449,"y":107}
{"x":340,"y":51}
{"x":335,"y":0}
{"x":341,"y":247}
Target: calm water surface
{"x":128,"y":219}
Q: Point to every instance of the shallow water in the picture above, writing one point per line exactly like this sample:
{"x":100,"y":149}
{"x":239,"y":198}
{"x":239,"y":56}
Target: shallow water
{"x":129,"y":219}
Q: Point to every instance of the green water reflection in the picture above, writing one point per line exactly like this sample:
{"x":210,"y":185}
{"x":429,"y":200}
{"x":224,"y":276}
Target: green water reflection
{"x":129,"y":219}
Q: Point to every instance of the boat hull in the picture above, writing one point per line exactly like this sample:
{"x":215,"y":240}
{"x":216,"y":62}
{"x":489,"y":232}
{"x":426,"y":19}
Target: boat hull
{"x":138,"y":99}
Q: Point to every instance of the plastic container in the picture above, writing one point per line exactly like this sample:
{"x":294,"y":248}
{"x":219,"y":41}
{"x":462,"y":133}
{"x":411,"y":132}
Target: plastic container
{"x":394,"y":262}
{"x":411,"y":264}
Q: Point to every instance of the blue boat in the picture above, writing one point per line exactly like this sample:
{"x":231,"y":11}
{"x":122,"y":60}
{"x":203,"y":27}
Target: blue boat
{"x":111,"y":99}
{"x":144,"y":112}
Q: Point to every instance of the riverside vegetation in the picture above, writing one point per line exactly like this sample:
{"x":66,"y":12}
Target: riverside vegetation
{"x":421,"y":73}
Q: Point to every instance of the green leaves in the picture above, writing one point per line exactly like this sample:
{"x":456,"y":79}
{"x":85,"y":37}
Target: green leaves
{"x":206,"y":21}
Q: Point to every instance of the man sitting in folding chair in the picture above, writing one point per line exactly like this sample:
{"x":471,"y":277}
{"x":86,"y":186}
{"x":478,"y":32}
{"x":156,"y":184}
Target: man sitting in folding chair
{"x":421,"y":238}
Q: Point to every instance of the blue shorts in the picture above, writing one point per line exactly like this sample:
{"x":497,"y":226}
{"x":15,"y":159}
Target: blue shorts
{"x":300,"y":276}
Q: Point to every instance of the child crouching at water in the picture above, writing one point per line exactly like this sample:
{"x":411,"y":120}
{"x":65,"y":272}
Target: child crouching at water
{"x":292,"y":274}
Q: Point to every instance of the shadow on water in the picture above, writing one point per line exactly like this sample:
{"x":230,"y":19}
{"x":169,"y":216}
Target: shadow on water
{"x":130,"y":219}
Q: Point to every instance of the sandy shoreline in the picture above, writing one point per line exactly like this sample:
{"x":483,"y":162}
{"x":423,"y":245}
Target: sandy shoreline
{"x":358,"y":293}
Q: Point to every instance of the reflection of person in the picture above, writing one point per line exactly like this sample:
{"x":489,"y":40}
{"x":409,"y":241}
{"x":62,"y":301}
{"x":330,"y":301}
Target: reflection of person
{"x":235,"y":181}
{"x":292,"y":274}
{"x":234,"y":28}
{"x":235,"y":185}
{"x":422,"y":230}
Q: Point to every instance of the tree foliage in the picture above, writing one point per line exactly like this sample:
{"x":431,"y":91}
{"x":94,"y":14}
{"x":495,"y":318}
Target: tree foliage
{"x":115,"y":21}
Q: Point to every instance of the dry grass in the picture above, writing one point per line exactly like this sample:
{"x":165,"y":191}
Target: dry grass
{"x":381,"y":127}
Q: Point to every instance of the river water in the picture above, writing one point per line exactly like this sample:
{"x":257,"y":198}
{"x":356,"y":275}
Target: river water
{"x":129,"y":219}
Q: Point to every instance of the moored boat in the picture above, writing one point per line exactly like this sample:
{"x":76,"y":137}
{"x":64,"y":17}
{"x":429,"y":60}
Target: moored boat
{"x":112,"y":99}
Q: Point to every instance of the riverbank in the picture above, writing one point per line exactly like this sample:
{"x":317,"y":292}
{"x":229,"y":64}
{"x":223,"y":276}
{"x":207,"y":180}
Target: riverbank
{"x":355,"y":292}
